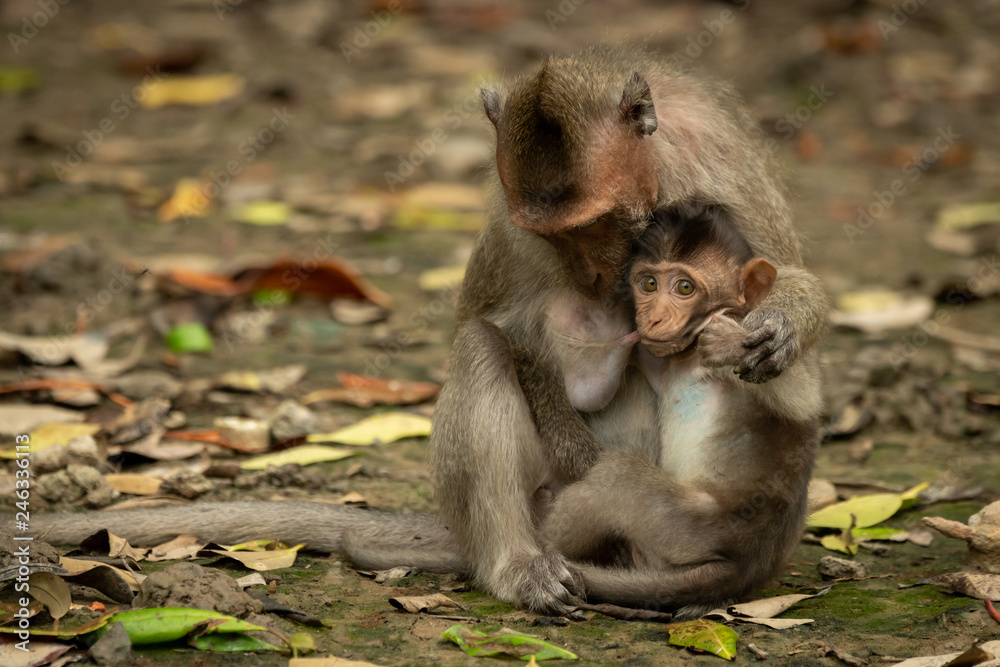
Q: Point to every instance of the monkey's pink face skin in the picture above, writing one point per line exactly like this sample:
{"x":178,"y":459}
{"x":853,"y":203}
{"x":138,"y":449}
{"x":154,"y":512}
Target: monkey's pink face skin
{"x":673,"y":304}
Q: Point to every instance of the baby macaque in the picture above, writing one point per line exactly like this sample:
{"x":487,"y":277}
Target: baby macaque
{"x":716,"y":516}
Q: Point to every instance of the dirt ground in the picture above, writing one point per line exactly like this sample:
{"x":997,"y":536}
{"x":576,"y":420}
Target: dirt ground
{"x":880,"y":114}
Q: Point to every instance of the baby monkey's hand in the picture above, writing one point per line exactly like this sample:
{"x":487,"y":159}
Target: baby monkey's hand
{"x":721,"y":342}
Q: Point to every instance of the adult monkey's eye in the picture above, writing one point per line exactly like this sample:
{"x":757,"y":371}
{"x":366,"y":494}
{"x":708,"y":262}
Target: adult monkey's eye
{"x":648,"y":284}
{"x":685,"y":287}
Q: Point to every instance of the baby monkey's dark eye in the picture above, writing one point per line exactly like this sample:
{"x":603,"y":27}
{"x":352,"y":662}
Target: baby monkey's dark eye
{"x":685,"y":287}
{"x":648,"y":284}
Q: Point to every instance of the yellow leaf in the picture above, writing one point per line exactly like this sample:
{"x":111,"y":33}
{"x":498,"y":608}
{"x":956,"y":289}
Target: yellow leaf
{"x":192,"y":90}
{"x":868,"y":510}
{"x":965,"y":216}
{"x":262,"y":561}
{"x":836,"y":542}
{"x":386,"y":427}
{"x":189,"y":200}
{"x":47,"y":435}
{"x":263,"y":213}
{"x":304,"y":455}
{"x":445,"y":277}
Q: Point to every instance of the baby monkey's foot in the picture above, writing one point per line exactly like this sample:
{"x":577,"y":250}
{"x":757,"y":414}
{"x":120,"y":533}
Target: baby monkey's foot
{"x":771,"y":346}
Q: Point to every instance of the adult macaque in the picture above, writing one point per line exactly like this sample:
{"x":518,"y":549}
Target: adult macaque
{"x":719,"y":514}
{"x":588,"y":147}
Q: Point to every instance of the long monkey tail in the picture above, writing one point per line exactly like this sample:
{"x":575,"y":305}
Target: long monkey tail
{"x":371,"y":539}
{"x":687,"y":593}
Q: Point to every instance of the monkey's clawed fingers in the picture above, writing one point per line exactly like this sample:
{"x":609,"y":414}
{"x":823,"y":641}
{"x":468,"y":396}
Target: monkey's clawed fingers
{"x":548,"y":586}
{"x":771,"y":344}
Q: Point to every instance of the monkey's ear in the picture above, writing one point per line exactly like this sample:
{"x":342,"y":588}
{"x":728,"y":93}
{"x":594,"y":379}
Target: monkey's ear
{"x":758,"y":279}
{"x":637,"y":106}
{"x":491,"y":104}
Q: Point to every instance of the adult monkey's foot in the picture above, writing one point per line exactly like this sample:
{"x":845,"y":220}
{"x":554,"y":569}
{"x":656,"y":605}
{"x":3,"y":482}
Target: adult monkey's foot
{"x":771,"y":346}
{"x":543,"y":583}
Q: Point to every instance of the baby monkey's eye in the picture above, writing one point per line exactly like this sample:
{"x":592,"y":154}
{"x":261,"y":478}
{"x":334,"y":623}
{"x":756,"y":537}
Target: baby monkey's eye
{"x":684,"y":287}
{"x":648,"y":284}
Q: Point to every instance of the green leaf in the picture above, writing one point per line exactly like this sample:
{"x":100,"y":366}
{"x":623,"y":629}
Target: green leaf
{"x":189,"y":337}
{"x":230,"y":641}
{"x":302,"y":642}
{"x":17,"y":80}
{"x":272,"y":297}
{"x":707,"y":636}
{"x":479,"y":644}
{"x":876,"y":533}
{"x":167,"y":624}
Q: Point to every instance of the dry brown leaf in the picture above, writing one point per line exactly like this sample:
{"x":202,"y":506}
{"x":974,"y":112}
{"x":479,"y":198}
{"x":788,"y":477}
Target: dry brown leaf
{"x":328,"y":280}
{"x":365,"y":392}
{"x":328,"y":661}
{"x":117,"y":584}
{"x":414,"y":604}
{"x":51,"y":591}
{"x":770,"y":607}
{"x":273,"y":380}
{"x":105,"y":543}
{"x":17,"y":418}
{"x":181,"y":546}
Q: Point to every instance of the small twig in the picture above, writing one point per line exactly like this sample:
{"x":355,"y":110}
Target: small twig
{"x":761,"y":654}
{"x":627,"y":613}
{"x":966,"y":339}
{"x":992,"y":611}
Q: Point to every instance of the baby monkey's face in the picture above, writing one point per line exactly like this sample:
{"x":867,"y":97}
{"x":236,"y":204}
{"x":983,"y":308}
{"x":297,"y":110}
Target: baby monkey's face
{"x":675,"y":301}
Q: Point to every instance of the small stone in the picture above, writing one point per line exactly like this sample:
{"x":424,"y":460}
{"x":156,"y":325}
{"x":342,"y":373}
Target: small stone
{"x":50,"y":459}
{"x":83,"y":450}
{"x":186,"y":484}
{"x":74,"y":483}
{"x":292,"y":419}
{"x":113,"y":648}
{"x":831,"y":567}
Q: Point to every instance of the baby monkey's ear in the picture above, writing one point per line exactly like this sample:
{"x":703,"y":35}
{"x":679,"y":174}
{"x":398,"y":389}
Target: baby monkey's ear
{"x":758,"y":278}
